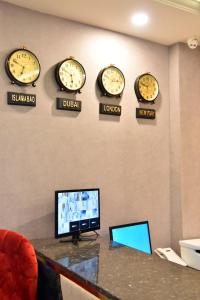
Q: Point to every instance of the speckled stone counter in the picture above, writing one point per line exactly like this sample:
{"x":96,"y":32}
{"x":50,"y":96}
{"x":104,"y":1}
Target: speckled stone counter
{"x":119,"y":272}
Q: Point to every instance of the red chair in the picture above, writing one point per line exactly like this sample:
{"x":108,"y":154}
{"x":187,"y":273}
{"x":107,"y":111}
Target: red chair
{"x":18,"y":267}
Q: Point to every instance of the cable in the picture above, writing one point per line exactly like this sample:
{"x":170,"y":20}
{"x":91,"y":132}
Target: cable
{"x":90,"y":235}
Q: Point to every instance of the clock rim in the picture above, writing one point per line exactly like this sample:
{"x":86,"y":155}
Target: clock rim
{"x":100,"y":82}
{"x":10,"y":74}
{"x":59,"y":81}
{"x":140,"y":98}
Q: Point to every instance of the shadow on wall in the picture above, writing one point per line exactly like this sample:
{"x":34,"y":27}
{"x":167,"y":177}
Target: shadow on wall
{"x":50,"y":85}
{"x":38,"y":228}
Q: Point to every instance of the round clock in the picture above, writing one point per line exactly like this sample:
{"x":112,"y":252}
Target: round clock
{"x":111,"y":81}
{"x":70,"y":75}
{"x":146,"y":88}
{"x":23,"y":67}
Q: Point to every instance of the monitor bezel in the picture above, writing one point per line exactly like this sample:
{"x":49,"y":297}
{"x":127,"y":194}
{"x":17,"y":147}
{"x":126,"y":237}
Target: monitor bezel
{"x":128,"y":225}
{"x":61,"y":235}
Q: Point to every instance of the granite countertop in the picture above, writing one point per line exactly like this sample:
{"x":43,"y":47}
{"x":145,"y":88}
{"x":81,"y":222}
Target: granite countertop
{"x":122,"y":272}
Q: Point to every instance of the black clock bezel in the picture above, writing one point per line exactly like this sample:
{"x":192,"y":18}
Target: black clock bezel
{"x":101,"y":86}
{"x":140,"y":98}
{"x":9,"y":73}
{"x":59,"y":81}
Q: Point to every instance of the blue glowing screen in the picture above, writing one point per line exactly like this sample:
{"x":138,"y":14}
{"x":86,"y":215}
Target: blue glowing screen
{"x":133,"y":235}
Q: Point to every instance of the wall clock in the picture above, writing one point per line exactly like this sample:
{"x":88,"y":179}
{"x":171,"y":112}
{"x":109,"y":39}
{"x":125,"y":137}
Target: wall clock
{"x":70,"y":75}
{"x":146,"y":88}
{"x":23,"y":67}
{"x":111,"y":81}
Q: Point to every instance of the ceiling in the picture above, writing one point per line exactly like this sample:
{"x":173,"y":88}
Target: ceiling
{"x":170,"y":21}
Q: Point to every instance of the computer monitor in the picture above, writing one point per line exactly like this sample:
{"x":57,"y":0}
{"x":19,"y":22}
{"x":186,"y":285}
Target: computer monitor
{"x":135,"y":235}
{"x":76,"y":211}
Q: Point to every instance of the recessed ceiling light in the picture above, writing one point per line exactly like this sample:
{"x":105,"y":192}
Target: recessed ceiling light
{"x":140,"y":19}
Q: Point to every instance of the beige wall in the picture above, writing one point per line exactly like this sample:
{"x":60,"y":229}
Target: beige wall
{"x":190,"y":139}
{"x":175,"y":146}
{"x":184,"y":142}
{"x":43,"y":149}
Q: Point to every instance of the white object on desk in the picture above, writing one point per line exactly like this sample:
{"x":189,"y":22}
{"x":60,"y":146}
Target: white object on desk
{"x":190,"y":252}
{"x":169,"y":254}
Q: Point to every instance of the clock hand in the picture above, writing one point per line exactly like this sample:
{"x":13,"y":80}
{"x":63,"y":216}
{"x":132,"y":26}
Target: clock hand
{"x":23,"y":67}
{"x":71,"y":77}
{"x":68,"y":72}
{"x":15,"y":61}
{"x":22,"y":71}
{"x":144,"y":84}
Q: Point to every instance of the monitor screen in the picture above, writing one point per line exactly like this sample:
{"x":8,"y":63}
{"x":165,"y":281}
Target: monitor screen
{"x":135,"y":235}
{"x":76,"y":211}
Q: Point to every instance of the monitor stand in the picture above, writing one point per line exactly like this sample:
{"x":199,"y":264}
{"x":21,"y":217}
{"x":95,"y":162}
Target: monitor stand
{"x":77,"y":238}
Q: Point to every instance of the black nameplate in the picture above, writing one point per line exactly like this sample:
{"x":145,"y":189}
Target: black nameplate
{"x":109,"y":109}
{"x":144,"y":113}
{"x":67,"y":104}
{"x":21,"y":99}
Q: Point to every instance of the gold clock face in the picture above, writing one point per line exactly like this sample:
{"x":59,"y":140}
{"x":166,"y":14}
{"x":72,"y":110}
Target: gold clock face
{"x":71,"y":75}
{"x":148,"y":87}
{"x":23,"y":67}
{"x":113,"y":81}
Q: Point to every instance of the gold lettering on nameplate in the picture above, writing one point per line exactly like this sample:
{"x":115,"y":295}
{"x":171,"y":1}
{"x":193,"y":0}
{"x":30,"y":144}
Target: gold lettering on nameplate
{"x":21,"y":99}
{"x":109,"y":109}
{"x":67,"y":104}
{"x":143,"y":113}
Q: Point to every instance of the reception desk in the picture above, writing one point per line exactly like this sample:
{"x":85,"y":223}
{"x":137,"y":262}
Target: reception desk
{"x":117,"y":272}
